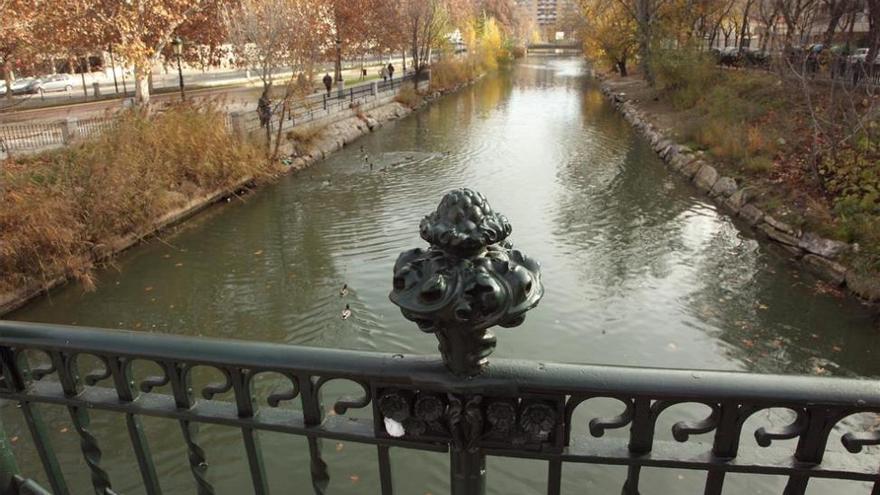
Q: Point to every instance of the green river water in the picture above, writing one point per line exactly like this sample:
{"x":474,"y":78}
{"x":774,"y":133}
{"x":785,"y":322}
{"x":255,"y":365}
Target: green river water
{"x":639,"y":269}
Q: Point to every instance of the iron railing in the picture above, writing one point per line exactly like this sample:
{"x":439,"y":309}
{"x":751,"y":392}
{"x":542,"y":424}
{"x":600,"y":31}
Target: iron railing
{"x":32,"y":137}
{"x":514,"y":409}
{"x":469,"y":280}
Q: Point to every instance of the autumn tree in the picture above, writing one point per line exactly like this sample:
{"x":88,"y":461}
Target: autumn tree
{"x":425,"y":23}
{"x":353,"y":23}
{"x":609,"y":33}
{"x":143,"y":28}
{"x":17,"y":39}
{"x":268,"y":35}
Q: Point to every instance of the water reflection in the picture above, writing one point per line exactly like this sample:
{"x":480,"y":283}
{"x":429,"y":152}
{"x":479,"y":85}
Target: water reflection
{"x":639,"y":270}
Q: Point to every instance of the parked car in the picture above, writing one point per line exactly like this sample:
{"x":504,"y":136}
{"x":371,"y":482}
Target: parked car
{"x":859,"y":55}
{"x":728,"y":56}
{"x":56,"y":82}
{"x":754,"y":57}
{"x":25,"y":85}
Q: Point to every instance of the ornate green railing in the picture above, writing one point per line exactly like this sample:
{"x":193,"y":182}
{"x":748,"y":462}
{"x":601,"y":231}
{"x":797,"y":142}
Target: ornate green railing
{"x":456,"y":402}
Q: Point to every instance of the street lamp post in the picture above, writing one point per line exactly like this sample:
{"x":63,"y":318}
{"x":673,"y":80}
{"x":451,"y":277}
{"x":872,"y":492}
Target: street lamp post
{"x":338,"y":60}
{"x":113,"y":67}
{"x":177,"y":44}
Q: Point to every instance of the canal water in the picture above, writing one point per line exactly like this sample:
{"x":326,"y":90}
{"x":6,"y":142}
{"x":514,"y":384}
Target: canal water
{"x":639,"y":270}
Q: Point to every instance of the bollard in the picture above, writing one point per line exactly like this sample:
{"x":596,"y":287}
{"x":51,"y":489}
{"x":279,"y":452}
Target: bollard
{"x":374,"y":88}
{"x":97,"y":89}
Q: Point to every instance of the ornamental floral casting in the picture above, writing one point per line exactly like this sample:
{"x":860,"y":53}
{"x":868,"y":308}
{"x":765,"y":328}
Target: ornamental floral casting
{"x":468,"y":280}
{"x":469,"y":421}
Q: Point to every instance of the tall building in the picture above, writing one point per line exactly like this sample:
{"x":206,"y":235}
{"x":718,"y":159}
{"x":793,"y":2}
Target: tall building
{"x":548,"y":15}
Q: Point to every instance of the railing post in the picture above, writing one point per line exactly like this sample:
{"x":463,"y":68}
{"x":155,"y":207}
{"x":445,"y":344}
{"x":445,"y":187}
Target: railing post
{"x":468,"y":281}
{"x":8,"y":467}
{"x":236,"y":120}
{"x":374,"y":88}
{"x":467,"y":472}
{"x":68,"y":130}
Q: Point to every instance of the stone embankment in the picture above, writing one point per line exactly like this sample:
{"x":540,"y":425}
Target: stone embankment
{"x":822,"y":256}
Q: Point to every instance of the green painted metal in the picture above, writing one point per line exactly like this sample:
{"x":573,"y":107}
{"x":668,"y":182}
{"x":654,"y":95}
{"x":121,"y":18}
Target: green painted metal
{"x":477,"y":409}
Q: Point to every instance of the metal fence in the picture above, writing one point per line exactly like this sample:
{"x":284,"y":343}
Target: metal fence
{"x":515,"y":409}
{"x":322,"y":105}
{"x":470,"y":279}
{"x":31,"y":137}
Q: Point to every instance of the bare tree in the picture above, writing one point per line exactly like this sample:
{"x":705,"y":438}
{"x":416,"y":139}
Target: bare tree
{"x":269,"y":35}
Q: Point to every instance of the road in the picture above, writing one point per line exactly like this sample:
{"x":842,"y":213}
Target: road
{"x":232,"y":86}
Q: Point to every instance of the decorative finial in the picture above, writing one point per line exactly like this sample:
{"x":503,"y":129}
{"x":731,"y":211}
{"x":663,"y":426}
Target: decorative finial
{"x":469,"y":279}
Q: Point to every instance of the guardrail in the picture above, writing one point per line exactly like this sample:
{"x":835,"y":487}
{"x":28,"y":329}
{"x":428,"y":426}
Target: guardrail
{"x":322,"y":105}
{"x":457,"y":402}
{"x":34,"y":137}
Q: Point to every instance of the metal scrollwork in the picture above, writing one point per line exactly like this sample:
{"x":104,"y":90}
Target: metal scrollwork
{"x":469,"y":421}
{"x":470,"y":279}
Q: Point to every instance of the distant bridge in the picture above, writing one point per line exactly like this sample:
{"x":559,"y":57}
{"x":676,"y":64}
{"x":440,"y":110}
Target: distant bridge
{"x":568,"y":45}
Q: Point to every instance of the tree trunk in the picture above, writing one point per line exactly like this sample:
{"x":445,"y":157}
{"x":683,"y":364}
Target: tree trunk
{"x":873,"y":31}
{"x":745,"y":24}
{"x":7,"y":78}
{"x":643,"y":21}
{"x":337,"y":67}
{"x":141,"y":85}
{"x":835,"y":13}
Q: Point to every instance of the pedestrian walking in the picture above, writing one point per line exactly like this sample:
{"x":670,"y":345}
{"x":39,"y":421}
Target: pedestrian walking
{"x":384,"y":73}
{"x":328,"y":83}
{"x":391,"y":71}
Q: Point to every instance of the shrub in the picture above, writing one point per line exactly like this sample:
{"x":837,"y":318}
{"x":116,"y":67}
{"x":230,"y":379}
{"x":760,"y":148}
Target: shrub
{"x":759,"y":165}
{"x":61,"y":207}
{"x":409,"y":96}
{"x":450,"y":73}
{"x":685,"y":74}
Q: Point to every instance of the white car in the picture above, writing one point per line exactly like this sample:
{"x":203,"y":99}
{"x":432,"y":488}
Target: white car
{"x":859,"y":55}
{"x":56,"y":82}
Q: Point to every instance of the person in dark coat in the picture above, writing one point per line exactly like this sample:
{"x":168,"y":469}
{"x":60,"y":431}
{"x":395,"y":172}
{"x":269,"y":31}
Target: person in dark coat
{"x":328,"y":82}
{"x":391,"y":71}
{"x":264,"y":108}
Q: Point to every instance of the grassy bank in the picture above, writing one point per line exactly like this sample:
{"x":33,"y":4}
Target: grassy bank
{"x":761,"y":128}
{"x":61,"y":208}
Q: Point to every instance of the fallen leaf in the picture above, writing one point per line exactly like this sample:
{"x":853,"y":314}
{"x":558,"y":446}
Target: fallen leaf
{"x":257,"y":253}
{"x":354,"y":478}
{"x":148,"y":288}
{"x":178,"y":264}
{"x":13,"y":439}
{"x":748,"y":343}
{"x":762,"y":306}
{"x":63,"y":430}
{"x":166,"y":256}
{"x":340,"y":446}
{"x":836,"y":348}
